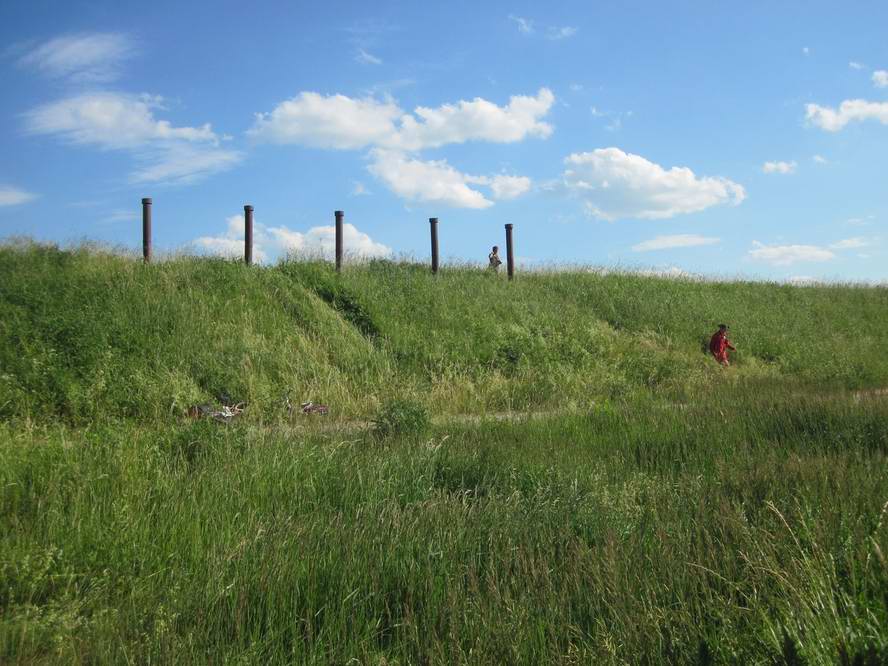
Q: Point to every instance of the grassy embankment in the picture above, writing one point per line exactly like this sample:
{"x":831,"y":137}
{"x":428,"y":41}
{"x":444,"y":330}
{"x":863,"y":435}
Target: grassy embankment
{"x":675,"y":513}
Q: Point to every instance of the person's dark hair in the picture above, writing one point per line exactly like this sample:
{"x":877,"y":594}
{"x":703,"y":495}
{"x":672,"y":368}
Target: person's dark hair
{"x":495,"y":248}
{"x":723,"y":327}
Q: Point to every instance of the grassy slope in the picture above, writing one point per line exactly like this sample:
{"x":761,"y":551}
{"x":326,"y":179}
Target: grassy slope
{"x":85,"y":334}
{"x":743,"y":527}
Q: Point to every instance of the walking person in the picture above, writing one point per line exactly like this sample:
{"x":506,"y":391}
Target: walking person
{"x":494,"y":259}
{"x":719,"y":345}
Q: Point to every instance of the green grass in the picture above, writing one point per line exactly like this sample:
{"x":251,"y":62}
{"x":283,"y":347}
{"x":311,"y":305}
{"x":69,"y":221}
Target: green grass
{"x":665,"y":511}
{"x":622,"y":536}
{"x":87,"y":334}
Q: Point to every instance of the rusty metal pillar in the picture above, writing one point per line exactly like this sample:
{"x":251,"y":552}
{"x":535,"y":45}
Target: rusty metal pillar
{"x":433,"y":223}
{"x":248,"y":235}
{"x":146,"y":230}
{"x":339,"y":215}
{"x":510,"y":254}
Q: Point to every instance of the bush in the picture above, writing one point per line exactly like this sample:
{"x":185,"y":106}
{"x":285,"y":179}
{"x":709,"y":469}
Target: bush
{"x":399,"y":418}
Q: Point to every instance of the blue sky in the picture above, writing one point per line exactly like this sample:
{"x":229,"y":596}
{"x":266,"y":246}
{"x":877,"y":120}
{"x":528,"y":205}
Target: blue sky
{"x":702,"y":137}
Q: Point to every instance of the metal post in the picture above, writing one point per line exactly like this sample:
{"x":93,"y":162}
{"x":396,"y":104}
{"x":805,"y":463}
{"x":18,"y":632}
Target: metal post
{"x":510,"y":255}
{"x":433,"y":223}
{"x":339,"y":215}
{"x":146,"y":230}
{"x":248,"y":235}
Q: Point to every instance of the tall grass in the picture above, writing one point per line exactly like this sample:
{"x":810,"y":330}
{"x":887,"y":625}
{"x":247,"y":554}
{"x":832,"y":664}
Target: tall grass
{"x":87,"y":334}
{"x":626,"y":535}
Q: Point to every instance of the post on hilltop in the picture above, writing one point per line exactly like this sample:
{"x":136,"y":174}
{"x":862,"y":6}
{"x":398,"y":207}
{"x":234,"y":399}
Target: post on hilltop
{"x":248,"y":235}
{"x":510,"y":254}
{"x":339,"y":215}
{"x":146,"y":230}
{"x":433,"y":223}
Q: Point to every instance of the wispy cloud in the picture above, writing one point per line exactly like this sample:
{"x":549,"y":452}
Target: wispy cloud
{"x":114,"y":121}
{"x":367,"y":58}
{"x":855,"y":65}
{"x":359,"y":190}
{"x":524,"y":25}
{"x":556,"y":33}
{"x":674,"y":241}
{"x":13,"y":196}
{"x":820,"y":159}
{"x":880,"y":78}
{"x":779,"y":167}
{"x":120,"y":215}
{"x":851,"y":244}
{"x":787,"y":255}
{"x":81,"y":58}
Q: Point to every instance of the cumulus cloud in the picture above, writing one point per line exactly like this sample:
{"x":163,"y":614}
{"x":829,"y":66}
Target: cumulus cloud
{"x":880,"y":78}
{"x":341,"y":122}
{"x":432,"y":181}
{"x":115,"y":121}
{"x":508,"y":187}
{"x":833,"y":120}
{"x":779,"y":167}
{"x":674,"y":241}
{"x":81,"y":58}
{"x":615,"y":185}
{"x":786,"y":255}
{"x":394,"y":136}
{"x":13,"y":196}
{"x":272,"y":242}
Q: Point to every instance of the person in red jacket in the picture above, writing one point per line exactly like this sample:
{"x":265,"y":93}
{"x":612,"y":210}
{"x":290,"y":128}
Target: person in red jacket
{"x":719,"y":345}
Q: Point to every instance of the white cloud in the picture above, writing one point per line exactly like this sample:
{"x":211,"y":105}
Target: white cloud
{"x":779,"y":167}
{"x":344,"y":123}
{"x":271,"y":242}
{"x":576,"y":87}
{"x":820,"y":159}
{"x":855,"y":65}
{"x":880,"y":78}
{"x":434,"y":181}
{"x":850,"y":244}
{"x":615,"y":185}
{"x":114,"y":121}
{"x":556,"y":33}
{"x":335,"y":121}
{"x":82,"y":58}
{"x":675,"y":241}
{"x":524,"y":25}
{"x":806,"y":50}
{"x":13,"y":196}
{"x":508,"y":187}
{"x":437,"y":182}
{"x":367,"y":58}
{"x":340,"y":122}
{"x":786,"y":255}
{"x":832,"y":120}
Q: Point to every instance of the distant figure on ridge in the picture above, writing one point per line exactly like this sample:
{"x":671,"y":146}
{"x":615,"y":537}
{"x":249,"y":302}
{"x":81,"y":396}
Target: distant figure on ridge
{"x":494,"y":259}
{"x":719,"y":345}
